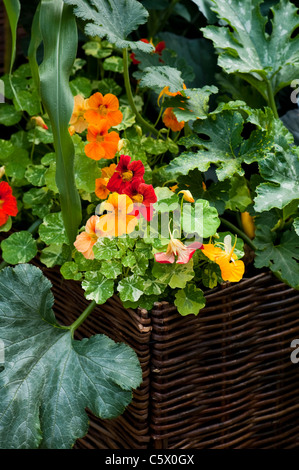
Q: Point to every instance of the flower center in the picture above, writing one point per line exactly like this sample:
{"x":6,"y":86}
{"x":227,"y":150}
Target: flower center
{"x":99,"y":138}
{"x":127,"y":175}
{"x":1,"y":203}
{"x":137,"y":198}
{"x":93,"y":237}
{"x":103,"y":109}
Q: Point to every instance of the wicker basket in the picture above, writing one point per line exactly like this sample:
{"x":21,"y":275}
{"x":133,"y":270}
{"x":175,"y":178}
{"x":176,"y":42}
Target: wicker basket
{"x":219,"y":380}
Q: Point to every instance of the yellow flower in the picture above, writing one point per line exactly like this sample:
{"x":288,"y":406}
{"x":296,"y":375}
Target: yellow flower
{"x":232,"y":269}
{"x":248,"y":224}
{"x":187,"y":196}
{"x":118,"y":220}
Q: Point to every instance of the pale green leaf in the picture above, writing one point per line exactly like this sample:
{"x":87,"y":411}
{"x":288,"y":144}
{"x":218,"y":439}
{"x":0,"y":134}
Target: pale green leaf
{"x":52,"y":231}
{"x":189,"y":300}
{"x":19,"y":247}
{"x":97,"y":287}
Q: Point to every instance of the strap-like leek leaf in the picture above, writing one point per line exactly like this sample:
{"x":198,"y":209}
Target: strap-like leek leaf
{"x":59,"y":33}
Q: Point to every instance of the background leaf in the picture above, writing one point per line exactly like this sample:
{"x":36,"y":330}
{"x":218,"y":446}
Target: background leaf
{"x":112,"y":19}
{"x":281,"y":172}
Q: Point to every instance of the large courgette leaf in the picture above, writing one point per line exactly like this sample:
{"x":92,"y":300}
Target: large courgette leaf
{"x":49,"y":378}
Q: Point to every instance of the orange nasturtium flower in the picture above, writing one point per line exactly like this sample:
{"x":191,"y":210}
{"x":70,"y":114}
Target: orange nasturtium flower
{"x":118,"y":220}
{"x":85,"y":240}
{"x":101,"y":183}
{"x":232,"y":269}
{"x":101,"y":143}
{"x":166,"y":91}
{"x":77,"y":122}
{"x":170,"y":120}
{"x":103,"y":107}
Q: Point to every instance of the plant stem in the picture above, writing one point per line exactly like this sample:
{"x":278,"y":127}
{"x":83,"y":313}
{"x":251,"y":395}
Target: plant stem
{"x":271,"y":100}
{"x":33,"y":228}
{"x":139,"y":118}
{"x":239,"y":232}
{"x":82,"y":317}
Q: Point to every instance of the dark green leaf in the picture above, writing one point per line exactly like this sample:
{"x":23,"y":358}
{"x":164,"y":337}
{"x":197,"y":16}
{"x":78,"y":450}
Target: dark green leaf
{"x":9,"y":115}
{"x":281,"y":172}
{"x":50,"y":378}
{"x":113,"y":19}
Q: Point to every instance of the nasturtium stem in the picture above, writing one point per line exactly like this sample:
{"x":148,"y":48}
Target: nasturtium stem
{"x":82,"y":317}
{"x":139,"y":118}
{"x":239,"y":232}
{"x":271,"y":100}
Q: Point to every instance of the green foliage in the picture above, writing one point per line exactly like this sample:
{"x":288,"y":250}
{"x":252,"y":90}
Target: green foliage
{"x":224,"y":147}
{"x":114,"y":20}
{"x":59,"y":33}
{"x":189,"y":300}
{"x":54,"y":377}
{"x":19,"y":247}
{"x":280,"y":170}
{"x":249,"y":50}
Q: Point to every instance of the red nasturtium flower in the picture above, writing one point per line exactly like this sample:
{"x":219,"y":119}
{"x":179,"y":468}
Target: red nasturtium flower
{"x":101,"y":189}
{"x":143,"y":196}
{"x":102,"y":144}
{"x":85,"y":240}
{"x":170,"y":120}
{"x":103,"y":107}
{"x":8,"y":203}
{"x":125,"y":172}
{"x":158,"y":50}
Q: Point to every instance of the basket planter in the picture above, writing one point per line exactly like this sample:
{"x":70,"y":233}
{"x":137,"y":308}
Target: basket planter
{"x":222,"y":379}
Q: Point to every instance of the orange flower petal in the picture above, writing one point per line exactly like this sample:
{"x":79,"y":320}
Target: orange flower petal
{"x":232,"y":271}
{"x":108,"y":171}
{"x":94,"y":150}
{"x":171,"y":121}
{"x":84,"y":244}
{"x":101,"y":188}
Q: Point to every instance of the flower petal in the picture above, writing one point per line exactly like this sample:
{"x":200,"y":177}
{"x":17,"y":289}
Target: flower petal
{"x":164,"y":258}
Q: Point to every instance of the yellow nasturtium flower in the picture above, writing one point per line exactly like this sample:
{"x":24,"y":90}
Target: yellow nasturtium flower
{"x":232,"y":269}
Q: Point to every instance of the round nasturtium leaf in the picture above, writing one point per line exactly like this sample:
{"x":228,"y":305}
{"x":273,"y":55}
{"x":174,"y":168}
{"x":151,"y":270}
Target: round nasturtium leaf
{"x":189,"y":300}
{"x":52,"y":230}
{"x":20,"y":247}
